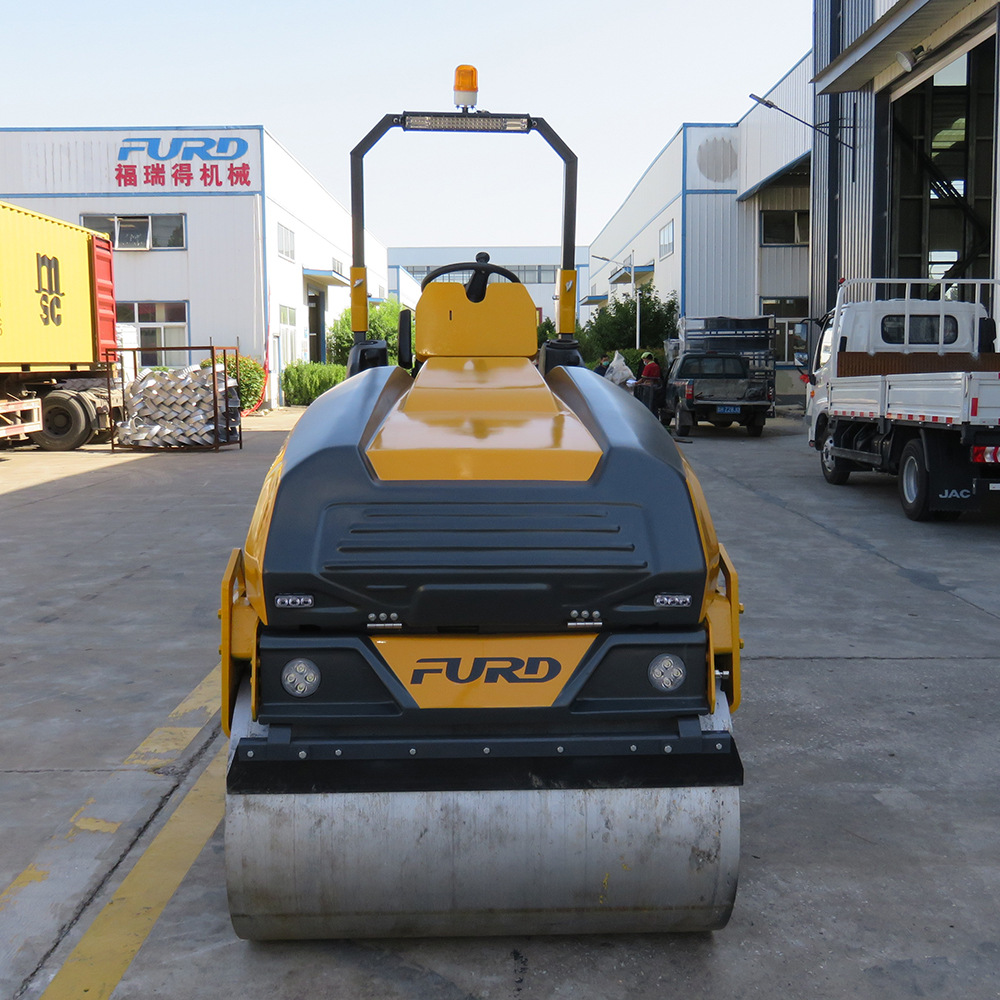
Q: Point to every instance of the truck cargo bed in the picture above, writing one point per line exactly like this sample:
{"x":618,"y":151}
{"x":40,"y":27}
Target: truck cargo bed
{"x":922,"y":397}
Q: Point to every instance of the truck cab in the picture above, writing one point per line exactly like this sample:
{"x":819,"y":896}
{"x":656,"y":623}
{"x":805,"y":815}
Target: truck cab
{"x":874,"y":337}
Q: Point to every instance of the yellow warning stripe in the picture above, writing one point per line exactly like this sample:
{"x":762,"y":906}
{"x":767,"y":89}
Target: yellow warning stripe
{"x":96,"y":965}
{"x":163,"y":746}
{"x":204,"y":698}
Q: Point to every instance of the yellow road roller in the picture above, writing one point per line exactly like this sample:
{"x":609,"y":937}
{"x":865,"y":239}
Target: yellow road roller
{"x":481,"y":646}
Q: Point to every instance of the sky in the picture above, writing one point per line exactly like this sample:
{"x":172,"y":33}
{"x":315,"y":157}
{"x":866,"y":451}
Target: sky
{"x":615,"y":81}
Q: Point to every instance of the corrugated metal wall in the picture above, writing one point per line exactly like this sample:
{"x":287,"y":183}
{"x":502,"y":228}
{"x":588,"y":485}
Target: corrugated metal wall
{"x":717,"y":272}
{"x":822,"y":239}
{"x":857,"y":168}
{"x":843,"y":203}
{"x":716,"y":278}
{"x":769,"y":140}
{"x":857,"y":16}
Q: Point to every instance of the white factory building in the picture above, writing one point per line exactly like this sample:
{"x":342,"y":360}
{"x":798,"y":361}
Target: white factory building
{"x":220,"y":235}
{"x":721,"y":216}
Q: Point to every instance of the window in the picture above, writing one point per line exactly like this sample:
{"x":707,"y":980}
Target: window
{"x":286,"y":242}
{"x":923,"y":329}
{"x":533,"y":274}
{"x":784,"y":228}
{"x":824,"y":350}
{"x":529,"y":274}
{"x":692,"y":367}
{"x":161,"y":324}
{"x":790,"y":308}
{"x":286,"y":315}
{"x":667,"y":240}
{"x":140,"y":232}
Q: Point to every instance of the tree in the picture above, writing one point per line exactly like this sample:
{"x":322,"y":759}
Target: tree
{"x":383,"y":324}
{"x":546,"y":331}
{"x":613,"y":327}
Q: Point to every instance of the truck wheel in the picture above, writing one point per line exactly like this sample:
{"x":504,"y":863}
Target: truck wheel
{"x":65,"y":423}
{"x":912,"y":482}
{"x":755,"y":429}
{"x":835,"y":470}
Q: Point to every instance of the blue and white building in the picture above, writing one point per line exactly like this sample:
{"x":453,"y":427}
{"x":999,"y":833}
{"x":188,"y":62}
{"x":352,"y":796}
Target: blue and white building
{"x":721,"y":216}
{"x":220,"y":235}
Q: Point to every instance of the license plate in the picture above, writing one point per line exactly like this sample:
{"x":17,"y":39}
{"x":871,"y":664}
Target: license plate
{"x":727,"y":409}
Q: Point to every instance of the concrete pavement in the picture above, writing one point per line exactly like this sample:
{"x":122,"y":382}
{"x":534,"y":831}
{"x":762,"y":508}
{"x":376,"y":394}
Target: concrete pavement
{"x":870,"y":814}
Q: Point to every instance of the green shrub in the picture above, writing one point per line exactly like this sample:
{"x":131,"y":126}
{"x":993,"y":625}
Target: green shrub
{"x":304,"y":381}
{"x":613,"y":327}
{"x":383,"y":324}
{"x":632,"y":359}
{"x":250,"y":373}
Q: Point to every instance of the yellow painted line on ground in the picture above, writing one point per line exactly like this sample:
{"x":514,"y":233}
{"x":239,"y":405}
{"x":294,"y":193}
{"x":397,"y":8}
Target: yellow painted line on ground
{"x":204,"y":698}
{"x":161,"y":747}
{"x":96,"y":965}
{"x":166,"y":743}
{"x":29,"y":875}
{"x":91,"y":824}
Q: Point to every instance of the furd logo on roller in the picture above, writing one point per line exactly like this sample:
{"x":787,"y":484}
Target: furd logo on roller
{"x":185,"y":148}
{"x":491,"y":669}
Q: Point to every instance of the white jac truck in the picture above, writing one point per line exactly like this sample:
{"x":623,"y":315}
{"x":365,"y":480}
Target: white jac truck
{"x":906,"y":380}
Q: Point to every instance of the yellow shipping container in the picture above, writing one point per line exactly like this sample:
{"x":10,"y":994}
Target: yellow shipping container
{"x":46,"y":298}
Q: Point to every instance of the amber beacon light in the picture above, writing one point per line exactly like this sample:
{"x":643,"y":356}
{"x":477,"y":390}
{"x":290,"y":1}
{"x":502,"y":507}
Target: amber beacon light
{"x":466,"y":86}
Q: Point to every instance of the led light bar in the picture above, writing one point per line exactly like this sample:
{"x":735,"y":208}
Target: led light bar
{"x":480,"y":121}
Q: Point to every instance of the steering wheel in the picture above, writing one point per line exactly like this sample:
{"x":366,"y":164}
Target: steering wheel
{"x":481,"y":270}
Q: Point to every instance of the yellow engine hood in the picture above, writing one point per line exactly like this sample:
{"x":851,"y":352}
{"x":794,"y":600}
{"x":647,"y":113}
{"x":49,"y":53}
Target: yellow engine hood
{"x":482,"y":419}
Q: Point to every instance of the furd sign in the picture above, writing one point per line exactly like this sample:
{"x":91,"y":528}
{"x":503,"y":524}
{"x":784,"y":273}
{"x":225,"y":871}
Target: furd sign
{"x":186,"y":148}
{"x":199,"y":162}
{"x":134,"y":161}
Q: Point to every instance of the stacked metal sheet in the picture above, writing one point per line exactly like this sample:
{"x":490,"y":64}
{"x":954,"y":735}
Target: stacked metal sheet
{"x":184,"y":408}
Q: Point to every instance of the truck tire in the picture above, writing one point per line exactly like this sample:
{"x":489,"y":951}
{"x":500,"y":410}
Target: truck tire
{"x":65,"y":422}
{"x":836,"y":471}
{"x":755,"y":428}
{"x":912,"y":481}
{"x":685,"y":424}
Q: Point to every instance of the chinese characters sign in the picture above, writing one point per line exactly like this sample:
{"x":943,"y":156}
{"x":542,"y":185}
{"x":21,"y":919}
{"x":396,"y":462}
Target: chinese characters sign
{"x":184,"y":162}
{"x":208,"y":175}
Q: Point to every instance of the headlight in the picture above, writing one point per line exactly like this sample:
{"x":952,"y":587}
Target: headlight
{"x":300,"y":677}
{"x":667,"y":672}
